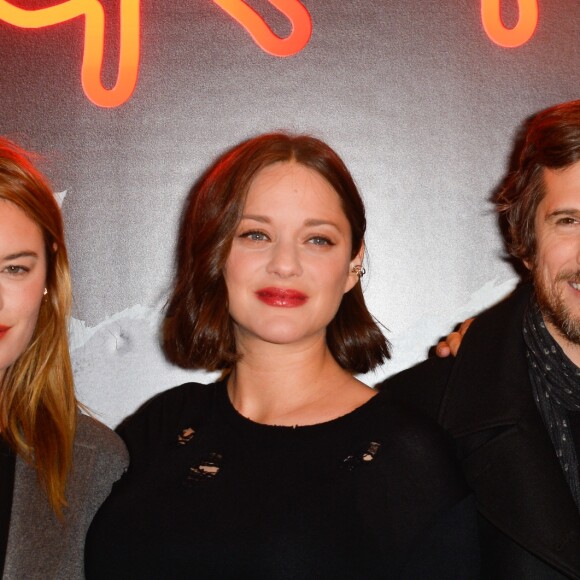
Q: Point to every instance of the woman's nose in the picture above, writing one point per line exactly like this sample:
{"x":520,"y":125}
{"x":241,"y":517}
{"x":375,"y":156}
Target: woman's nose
{"x":284,"y":260}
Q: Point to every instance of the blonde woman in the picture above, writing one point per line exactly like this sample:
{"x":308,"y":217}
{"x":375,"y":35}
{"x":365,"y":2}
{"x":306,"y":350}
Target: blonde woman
{"x":56,"y":465}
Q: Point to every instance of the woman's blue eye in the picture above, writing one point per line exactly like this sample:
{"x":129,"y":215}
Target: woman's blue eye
{"x":320,"y":241}
{"x":256,"y":236}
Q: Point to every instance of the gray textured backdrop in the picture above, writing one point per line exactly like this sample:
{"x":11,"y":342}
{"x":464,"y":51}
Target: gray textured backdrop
{"x":412,"y":93}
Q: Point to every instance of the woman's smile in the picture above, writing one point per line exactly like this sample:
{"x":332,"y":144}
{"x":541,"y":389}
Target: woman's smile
{"x":284,"y":297}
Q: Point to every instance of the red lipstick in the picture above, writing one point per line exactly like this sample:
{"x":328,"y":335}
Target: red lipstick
{"x":284,"y":297}
{"x":4,"y":330}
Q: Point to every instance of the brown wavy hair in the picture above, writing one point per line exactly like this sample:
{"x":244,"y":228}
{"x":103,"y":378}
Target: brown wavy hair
{"x":38,"y":407}
{"x":551,"y":139}
{"x":198,"y":330}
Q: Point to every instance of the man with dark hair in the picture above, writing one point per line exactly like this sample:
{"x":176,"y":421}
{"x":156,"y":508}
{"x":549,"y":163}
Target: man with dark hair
{"x":511,"y":398}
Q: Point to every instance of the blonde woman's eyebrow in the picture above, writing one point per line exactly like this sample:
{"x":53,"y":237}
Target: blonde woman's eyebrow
{"x":18,"y":255}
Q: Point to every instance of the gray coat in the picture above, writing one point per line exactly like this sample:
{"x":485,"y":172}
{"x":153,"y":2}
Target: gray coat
{"x":39,"y":545}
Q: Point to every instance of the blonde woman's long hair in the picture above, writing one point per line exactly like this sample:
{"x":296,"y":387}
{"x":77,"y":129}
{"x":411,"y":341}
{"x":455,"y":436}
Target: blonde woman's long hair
{"x":38,"y":407}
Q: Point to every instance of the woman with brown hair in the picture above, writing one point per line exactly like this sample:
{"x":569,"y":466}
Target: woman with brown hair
{"x":288,"y":467}
{"x":56,"y":465}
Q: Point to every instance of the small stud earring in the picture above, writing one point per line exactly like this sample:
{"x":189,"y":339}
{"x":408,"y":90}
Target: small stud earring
{"x":45,"y":292}
{"x":358,"y":270}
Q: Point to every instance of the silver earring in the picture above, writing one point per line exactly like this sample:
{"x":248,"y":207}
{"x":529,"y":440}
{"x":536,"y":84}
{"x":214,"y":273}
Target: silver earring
{"x":358,"y":270}
{"x":45,"y":292}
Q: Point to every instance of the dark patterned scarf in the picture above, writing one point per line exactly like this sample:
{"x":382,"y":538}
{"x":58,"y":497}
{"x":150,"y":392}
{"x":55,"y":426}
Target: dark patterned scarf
{"x":556,"y":386}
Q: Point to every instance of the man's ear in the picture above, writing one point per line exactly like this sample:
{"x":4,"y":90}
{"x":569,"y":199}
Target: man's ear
{"x":355,"y":274}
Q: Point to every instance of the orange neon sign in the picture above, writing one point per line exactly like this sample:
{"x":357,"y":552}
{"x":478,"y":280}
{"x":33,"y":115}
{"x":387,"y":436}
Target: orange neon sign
{"x":129,"y":51}
{"x":94,"y":15}
{"x":509,"y":37}
{"x":263,"y":36}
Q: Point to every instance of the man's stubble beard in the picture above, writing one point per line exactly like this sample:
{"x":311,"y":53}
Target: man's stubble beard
{"x":553,"y":307}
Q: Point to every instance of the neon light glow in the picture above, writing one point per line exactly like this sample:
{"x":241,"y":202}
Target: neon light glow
{"x":94,"y":15}
{"x":509,"y":37}
{"x":263,"y":36}
{"x":247,"y":17}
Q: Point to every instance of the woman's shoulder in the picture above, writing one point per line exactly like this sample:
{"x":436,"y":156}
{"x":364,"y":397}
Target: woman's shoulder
{"x":417,"y":441}
{"x":178,"y":396}
{"x":92,"y":433}
{"x":163,"y":416}
{"x":169,"y":405}
{"x":402,"y":417}
{"x":92,"y":438}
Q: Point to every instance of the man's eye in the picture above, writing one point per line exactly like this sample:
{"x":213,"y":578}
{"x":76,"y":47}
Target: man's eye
{"x":567,"y":221}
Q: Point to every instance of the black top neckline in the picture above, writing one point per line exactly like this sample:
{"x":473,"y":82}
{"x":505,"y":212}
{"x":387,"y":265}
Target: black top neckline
{"x":233,"y":416}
